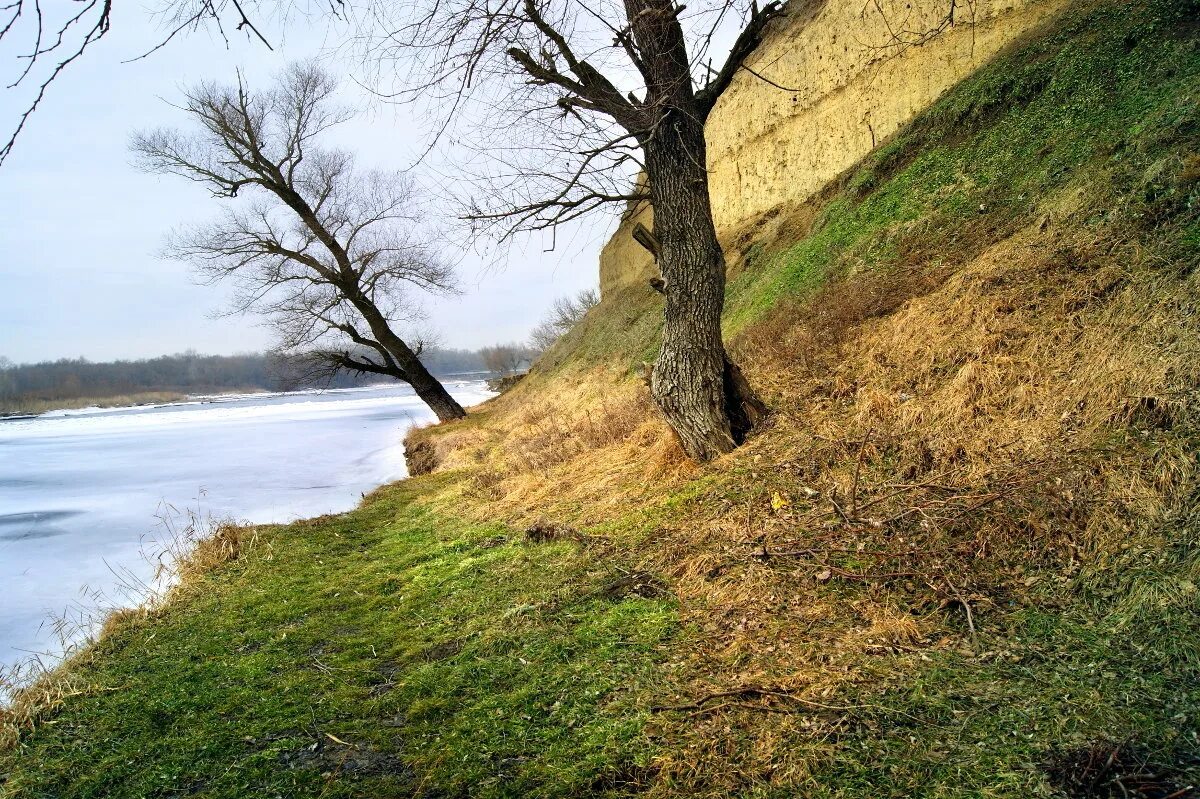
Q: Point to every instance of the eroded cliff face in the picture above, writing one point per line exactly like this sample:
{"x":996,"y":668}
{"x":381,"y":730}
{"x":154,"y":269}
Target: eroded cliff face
{"x":853,"y":74}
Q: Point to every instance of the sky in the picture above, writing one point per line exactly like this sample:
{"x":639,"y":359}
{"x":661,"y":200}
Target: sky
{"x":80,"y":227}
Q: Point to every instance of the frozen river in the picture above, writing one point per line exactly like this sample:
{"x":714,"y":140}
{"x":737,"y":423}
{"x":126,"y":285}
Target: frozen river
{"x":80,"y":491}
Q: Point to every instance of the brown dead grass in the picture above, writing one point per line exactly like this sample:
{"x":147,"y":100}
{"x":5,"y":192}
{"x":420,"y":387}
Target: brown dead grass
{"x":585,"y":440}
{"x":228,"y":542}
{"x":943,"y":440}
{"x":32,"y":693}
{"x":37,"y":405}
{"x":193,"y":547}
{"x":938,"y":447}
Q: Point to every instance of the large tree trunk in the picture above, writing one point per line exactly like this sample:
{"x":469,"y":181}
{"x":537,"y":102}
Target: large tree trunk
{"x":426,"y":386}
{"x":700,"y":391}
{"x":433,"y":393}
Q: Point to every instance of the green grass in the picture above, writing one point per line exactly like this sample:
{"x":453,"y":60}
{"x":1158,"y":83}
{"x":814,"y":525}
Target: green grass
{"x":1114,"y":91}
{"x":431,"y":647}
{"x":396,"y":651}
{"x":1050,"y":681}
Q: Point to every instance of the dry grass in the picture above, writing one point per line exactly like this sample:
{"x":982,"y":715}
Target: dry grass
{"x":933,"y":457}
{"x":942,"y":441}
{"x":942,"y":446}
{"x":552,"y":447}
{"x":32,"y":692}
{"x":190,"y":556}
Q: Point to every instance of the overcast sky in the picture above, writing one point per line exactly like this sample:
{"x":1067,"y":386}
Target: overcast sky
{"x":80,"y":227}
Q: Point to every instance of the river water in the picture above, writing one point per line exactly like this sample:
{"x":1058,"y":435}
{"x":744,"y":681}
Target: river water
{"x":83,"y":493}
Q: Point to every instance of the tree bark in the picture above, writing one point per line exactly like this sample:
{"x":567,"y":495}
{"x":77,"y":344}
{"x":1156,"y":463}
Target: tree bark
{"x":427,"y":387}
{"x":432,"y":392}
{"x":703,"y":395}
{"x":699,"y":390}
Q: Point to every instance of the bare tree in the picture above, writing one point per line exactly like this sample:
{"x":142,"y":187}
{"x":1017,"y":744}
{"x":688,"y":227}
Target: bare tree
{"x":328,"y":253}
{"x":611,"y":89}
{"x":564,"y":314}
{"x":506,"y":358}
{"x":602,"y":91}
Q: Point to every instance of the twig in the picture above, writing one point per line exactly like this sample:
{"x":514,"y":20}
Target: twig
{"x":849,"y":575}
{"x":970,"y":617}
{"x":862,"y":448}
{"x":838,"y":508}
{"x":904,"y":488}
{"x":754,"y":690}
{"x":1182,"y":792}
{"x":874,"y":553}
{"x":744,"y":705}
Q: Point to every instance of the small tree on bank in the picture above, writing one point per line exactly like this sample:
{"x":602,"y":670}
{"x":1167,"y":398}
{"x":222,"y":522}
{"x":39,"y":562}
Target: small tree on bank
{"x":564,"y":314}
{"x":326,"y":252}
{"x":507,"y":359}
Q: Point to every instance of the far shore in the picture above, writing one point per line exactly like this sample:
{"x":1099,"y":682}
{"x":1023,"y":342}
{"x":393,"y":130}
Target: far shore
{"x":33,"y":407}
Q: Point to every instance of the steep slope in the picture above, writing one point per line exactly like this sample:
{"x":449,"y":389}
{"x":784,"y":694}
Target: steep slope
{"x":961,"y":561}
{"x":830,"y":81}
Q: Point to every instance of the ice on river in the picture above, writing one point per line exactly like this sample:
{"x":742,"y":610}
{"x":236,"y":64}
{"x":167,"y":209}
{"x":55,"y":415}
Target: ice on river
{"x":81,"y":491}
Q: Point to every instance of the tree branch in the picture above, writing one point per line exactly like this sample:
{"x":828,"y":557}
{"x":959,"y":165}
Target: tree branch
{"x":747,"y":42}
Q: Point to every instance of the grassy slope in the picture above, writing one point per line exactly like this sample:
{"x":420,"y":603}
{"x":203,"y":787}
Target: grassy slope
{"x":409,"y":649}
{"x":509,"y":669}
{"x":1104,"y":98}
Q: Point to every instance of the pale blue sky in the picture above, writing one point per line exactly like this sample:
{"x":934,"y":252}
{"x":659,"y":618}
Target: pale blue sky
{"x":80,"y":227}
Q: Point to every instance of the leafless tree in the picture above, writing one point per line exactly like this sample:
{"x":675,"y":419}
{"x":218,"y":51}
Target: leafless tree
{"x":326,"y":252}
{"x":564,"y":314}
{"x":604,"y":90}
{"x":599,"y":92}
{"x":607,"y":88}
{"x":506,"y":358}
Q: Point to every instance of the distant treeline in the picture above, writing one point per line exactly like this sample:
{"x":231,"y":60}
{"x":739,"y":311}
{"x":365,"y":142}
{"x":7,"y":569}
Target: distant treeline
{"x":186,"y":373}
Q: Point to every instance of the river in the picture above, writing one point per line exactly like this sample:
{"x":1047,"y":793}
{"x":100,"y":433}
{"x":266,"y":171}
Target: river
{"x":82,"y":493}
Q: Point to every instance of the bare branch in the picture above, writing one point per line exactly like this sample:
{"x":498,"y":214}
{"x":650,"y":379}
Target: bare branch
{"x":327,"y":253}
{"x":58,"y":34}
{"x":101,"y":21}
{"x":747,"y":42}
